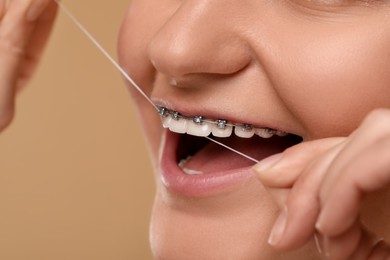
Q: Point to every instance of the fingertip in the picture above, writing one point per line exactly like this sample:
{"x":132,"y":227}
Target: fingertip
{"x":277,"y":171}
{"x":268,"y":163}
{"x":332,"y":225}
{"x":322,"y":225}
{"x":283,"y":168}
{"x":278,"y":229}
{"x":267,"y":171}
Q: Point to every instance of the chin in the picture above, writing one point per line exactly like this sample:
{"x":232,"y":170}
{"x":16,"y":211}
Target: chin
{"x":229,"y":225}
{"x":234,"y":225}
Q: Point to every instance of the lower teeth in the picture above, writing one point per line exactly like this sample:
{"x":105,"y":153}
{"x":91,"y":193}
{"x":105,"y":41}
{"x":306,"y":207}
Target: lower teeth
{"x":187,"y":170}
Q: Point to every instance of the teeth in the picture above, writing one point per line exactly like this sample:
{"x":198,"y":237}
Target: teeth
{"x":244,"y":131}
{"x":265,"y":132}
{"x":221,"y":129}
{"x":187,"y":170}
{"x":177,"y":126}
{"x":281,"y":133}
{"x":198,"y":126}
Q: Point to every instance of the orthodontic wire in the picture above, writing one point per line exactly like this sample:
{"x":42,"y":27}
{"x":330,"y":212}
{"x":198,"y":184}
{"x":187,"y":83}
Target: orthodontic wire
{"x":127,"y":76}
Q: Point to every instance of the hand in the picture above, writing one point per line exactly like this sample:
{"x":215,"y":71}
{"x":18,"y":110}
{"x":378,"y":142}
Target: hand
{"x":320,"y":185}
{"x":25,"y":26}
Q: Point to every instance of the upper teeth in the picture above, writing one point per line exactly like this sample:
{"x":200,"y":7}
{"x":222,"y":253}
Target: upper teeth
{"x":199,"y":126}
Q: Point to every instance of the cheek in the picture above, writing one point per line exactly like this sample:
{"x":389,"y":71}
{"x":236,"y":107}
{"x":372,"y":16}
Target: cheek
{"x":141,"y":22}
{"x":133,"y":40}
{"x":336,"y":78}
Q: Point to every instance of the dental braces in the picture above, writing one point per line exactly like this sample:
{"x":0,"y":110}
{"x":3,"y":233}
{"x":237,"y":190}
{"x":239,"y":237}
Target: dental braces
{"x":221,"y":124}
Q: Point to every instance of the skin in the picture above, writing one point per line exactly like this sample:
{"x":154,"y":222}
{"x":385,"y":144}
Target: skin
{"x":314,"y":68}
{"x":318,"y":69}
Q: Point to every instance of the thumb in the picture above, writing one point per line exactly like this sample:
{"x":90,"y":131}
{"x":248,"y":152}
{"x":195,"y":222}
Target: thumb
{"x":282,"y":170}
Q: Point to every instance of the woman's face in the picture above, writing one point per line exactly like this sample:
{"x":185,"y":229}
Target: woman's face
{"x":310,"y":68}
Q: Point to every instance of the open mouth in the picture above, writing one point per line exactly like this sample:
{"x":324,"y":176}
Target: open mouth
{"x":196,"y":155}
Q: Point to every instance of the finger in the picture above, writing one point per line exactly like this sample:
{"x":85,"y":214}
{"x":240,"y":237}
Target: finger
{"x":374,"y":129}
{"x":296,"y":224}
{"x":37,"y":8}
{"x":355,"y":164}
{"x":279,"y":195}
{"x":37,"y":42}
{"x":10,"y":57}
{"x":15,"y":28}
{"x":368,"y":171}
{"x":381,"y":251}
{"x":368,"y":246}
{"x":281,"y":171}
{"x":357,"y":243}
{"x":15,"y":33}
{"x":343,"y":246}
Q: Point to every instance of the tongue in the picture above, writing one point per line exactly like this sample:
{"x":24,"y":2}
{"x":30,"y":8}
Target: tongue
{"x":215,"y":158}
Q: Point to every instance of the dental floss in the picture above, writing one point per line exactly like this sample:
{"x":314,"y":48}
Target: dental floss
{"x":103,"y":51}
{"x":233,"y":150}
{"x":124,"y":73}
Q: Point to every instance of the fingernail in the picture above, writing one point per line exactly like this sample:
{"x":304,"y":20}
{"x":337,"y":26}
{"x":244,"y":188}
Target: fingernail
{"x":322,"y":244}
{"x":318,"y":242}
{"x":34,"y":11}
{"x":278,"y":228}
{"x":268,"y":162}
{"x":326,"y":247}
{"x":325,"y":241}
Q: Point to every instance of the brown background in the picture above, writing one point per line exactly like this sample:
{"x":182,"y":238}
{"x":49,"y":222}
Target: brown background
{"x":75,"y":181}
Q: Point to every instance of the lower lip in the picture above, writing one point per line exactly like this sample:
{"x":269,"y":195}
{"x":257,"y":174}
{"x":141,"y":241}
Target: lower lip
{"x":175,"y":180}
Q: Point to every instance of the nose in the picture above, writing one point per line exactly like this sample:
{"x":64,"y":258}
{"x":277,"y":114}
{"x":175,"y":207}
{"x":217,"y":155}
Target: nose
{"x":199,"y":37}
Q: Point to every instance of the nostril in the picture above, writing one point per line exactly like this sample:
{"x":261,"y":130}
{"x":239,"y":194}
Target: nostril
{"x":191,"y":42}
{"x":178,"y":58}
{"x":171,"y":58}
